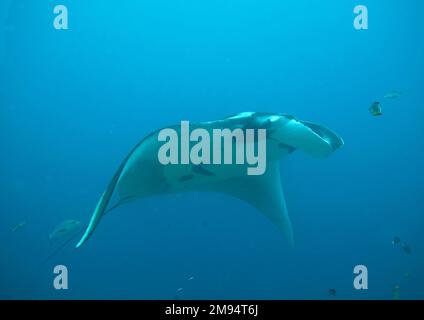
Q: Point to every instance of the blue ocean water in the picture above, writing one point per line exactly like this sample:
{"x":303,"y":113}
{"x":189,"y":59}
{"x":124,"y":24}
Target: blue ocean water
{"x":74,"y":102}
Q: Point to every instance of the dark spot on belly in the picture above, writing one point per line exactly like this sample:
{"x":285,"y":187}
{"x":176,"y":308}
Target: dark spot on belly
{"x":204,"y":172}
{"x":187,"y":177}
{"x":286,"y":146}
{"x":273,"y":139}
{"x":270,"y":131}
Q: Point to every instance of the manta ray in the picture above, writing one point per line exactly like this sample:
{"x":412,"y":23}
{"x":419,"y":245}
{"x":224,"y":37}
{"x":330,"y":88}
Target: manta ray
{"x":141,"y":175}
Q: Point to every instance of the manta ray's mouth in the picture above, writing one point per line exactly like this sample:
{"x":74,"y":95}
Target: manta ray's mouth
{"x":333,"y":139}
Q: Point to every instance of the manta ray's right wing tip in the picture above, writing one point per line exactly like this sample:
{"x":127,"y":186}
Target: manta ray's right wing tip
{"x":80,"y":243}
{"x":86,"y":235}
{"x":101,"y":207}
{"x":95,"y":219}
{"x":83,"y":239}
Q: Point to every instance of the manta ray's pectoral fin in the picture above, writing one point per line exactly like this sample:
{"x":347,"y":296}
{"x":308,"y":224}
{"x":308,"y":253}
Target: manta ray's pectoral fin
{"x":265,"y":193}
{"x":101,"y":208}
{"x":98,"y":213}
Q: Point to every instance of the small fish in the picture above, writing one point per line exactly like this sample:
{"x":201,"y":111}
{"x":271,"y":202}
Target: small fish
{"x":190,"y":278}
{"x":332,"y":292}
{"x":18,"y":226}
{"x":65,"y":228}
{"x":396,"y":292}
{"x":187,"y":177}
{"x":394,"y":94}
{"x":375,"y":109}
{"x":407,"y":248}
{"x":201,"y":170}
{"x":179,"y":289}
{"x":396,"y":240}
